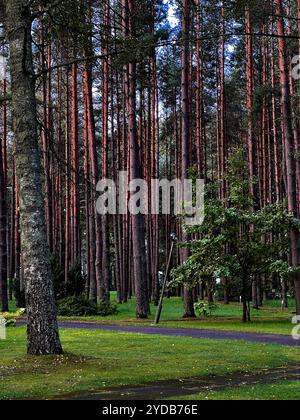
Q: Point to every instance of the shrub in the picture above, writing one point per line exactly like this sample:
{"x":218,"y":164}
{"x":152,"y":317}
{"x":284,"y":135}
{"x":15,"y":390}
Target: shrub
{"x":11,"y":317}
{"x":75,"y":281}
{"x":107,"y":309}
{"x":205,"y":309}
{"x":76,"y":306}
{"x":18,"y":293}
{"x":80,"y":306}
{"x":58,"y":278}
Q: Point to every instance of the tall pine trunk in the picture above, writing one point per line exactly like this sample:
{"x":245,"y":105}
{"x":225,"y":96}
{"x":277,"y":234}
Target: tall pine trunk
{"x":105,"y":281}
{"x":249,"y":97}
{"x":186,"y":132}
{"x":288,"y":144}
{"x":3,"y":233}
{"x":138,"y":222}
{"x":43,"y":337}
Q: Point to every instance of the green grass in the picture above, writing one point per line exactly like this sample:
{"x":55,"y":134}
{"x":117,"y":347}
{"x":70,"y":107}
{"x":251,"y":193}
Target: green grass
{"x":12,"y":306}
{"x":96,"y":360}
{"x":283,"y":391}
{"x":270,"y":319}
{"x":263,"y":326}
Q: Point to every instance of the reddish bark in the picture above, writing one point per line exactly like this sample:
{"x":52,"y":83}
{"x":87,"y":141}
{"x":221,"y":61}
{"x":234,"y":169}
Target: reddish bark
{"x":3,"y":225}
{"x":249,"y":98}
{"x":105,"y":281}
{"x":185,"y":134}
{"x":75,"y":211}
{"x":223,"y":134}
{"x":67,"y":183}
{"x":199,"y":92}
{"x":138,"y":222}
{"x":288,"y":144}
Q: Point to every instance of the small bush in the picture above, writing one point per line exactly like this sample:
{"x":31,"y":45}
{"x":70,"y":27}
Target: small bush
{"x":80,"y":306}
{"x":18,"y":293}
{"x":76,"y":306}
{"x":75,"y":281}
{"x":107,"y":309}
{"x":205,"y":309}
{"x":11,"y":317}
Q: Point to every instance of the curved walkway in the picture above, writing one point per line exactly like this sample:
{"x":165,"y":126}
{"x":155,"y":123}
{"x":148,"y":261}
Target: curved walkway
{"x":284,"y":340}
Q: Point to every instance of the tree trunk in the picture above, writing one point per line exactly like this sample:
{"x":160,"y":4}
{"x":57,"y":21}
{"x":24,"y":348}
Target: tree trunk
{"x":43,"y":337}
{"x":46,"y":143}
{"x":289,"y":145}
{"x":68,"y":185}
{"x":199,"y":93}
{"x":249,"y":99}
{"x":105,"y":281}
{"x":75,"y":215}
{"x":3,"y":234}
{"x":245,"y":301}
{"x":223,"y":134}
{"x":138,"y":222}
{"x":189,"y":311}
{"x":90,"y":164}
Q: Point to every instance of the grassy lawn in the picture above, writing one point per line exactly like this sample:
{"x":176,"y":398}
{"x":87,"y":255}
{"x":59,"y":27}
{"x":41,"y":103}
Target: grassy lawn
{"x":96,"y":360}
{"x":284,"y":391}
{"x":269,"y":319}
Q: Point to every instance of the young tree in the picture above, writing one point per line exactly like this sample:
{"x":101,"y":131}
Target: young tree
{"x":240,"y":230}
{"x":43,"y":337}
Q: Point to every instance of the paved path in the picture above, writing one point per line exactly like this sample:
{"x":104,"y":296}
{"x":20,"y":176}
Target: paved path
{"x":284,"y":340}
{"x":184,"y":387}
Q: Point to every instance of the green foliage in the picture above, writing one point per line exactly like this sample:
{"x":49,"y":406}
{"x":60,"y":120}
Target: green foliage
{"x":261,"y":94}
{"x":80,"y":306}
{"x":58,"y":278}
{"x":107,"y":309}
{"x":205,"y":309}
{"x":234,"y":240}
{"x":18,"y":293}
{"x":75,"y":282}
{"x":11,"y":317}
{"x":76,"y":306}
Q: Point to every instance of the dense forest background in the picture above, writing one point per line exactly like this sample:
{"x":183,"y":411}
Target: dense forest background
{"x":162,"y":89}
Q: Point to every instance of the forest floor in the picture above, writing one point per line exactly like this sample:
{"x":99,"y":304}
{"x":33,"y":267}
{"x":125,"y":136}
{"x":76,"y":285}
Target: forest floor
{"x":96,"y":362}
